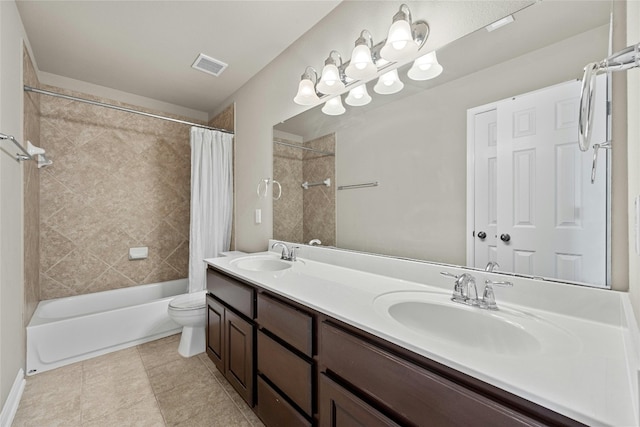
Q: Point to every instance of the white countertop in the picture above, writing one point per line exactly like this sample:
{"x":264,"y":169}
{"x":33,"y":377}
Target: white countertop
{"x":590,"y":380}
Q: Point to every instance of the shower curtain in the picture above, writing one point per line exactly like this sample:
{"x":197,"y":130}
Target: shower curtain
{"x":211,"y":200}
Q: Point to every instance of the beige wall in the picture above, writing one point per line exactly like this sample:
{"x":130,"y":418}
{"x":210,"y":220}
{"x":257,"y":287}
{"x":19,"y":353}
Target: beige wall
{"x":266,"y":99}
{"x":12,"y":332}
{"x":31,"y":194}
{"x":633,"y":153}
{"x":119,"y":180}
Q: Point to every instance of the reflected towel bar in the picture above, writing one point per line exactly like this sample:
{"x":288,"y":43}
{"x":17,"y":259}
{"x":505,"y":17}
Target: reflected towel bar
{"x":326,"y":183}
{"x":354,"y":186}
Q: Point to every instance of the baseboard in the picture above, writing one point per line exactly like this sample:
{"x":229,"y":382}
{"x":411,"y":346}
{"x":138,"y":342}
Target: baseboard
{"x":13,"y":400}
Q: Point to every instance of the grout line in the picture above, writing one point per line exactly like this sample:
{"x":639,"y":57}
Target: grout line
{"x":155,"y":396}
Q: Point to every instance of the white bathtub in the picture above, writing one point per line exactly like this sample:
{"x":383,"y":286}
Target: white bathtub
{"x":68,"y":330}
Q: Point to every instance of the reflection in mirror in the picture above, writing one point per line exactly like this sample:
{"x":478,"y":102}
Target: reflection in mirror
{"x":419,"y":146}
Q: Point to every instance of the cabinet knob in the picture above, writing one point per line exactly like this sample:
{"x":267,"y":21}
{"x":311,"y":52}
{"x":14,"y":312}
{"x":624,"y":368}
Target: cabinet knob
{"x":505,"y":237}
{"x":482,"y":235}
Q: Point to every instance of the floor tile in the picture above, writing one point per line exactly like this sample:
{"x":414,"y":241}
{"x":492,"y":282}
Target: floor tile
{"x":177,"y":372}
{"x":159,"y":352}
{"x":145,"y":413}
{"x":185,"y":401}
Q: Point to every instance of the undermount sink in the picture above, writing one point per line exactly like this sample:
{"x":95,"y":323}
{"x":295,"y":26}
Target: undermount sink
{"x":505,"y":332}
{"x":261,"y":263}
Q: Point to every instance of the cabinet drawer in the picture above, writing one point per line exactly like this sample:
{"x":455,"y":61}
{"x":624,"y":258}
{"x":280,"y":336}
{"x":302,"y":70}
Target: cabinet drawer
{"x":275,"y":411}
{"x":289,"y":372}
{"x":289,"y":324}
{"x":238,"y":295}
{"x":339,"y":408}
{"x":417,"y":395}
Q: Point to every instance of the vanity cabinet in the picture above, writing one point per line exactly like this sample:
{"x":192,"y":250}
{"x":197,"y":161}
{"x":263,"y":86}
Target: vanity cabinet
{"x":303,"y":368}
{"x":286,"y":368}
{"x":230,"y":336}
{"x":385,"y":387}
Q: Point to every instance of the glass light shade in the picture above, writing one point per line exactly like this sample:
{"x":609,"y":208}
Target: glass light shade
{"x":400,"y":44}
{"x":306,"y":93}
{"x":358,"y":96}
{"x":333,"y":107}
{"x":426,"y":67}
{"x":361,"y":66}
{"x":330,"y":82}
{"x":388,"y":83}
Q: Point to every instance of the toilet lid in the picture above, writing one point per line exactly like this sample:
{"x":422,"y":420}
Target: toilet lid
{"x":190,"y":301}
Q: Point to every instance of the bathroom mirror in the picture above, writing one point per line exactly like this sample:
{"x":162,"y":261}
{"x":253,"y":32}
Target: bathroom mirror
{"x":397,"y":176}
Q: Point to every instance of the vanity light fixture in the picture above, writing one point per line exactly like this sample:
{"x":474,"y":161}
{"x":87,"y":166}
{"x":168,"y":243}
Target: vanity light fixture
{"x":426,"y":67}
{"x":388,"y":83}
{"x":367,"y":61}
{"x":330,"y":81}
{"x":334,"y":107}
{"x":306,"y":89}
{"x":400,"y":42}
{"x":358,"y":96}
{"x":361,"y":66}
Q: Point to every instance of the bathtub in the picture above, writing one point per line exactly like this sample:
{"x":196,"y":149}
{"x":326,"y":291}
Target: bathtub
{"x":68,"y":330}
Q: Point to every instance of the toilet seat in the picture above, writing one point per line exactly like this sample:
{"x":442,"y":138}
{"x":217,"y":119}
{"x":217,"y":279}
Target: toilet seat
{"x":192,"y":301}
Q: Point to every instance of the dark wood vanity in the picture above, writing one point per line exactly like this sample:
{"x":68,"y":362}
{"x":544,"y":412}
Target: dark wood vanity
{"x":298,"y":367}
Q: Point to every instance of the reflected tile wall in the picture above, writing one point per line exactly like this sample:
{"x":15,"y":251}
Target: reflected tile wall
{"x":287,"y":211}
{"x":319,"y":203}
{"x":118,"y":180}
{"x":302,"y":215}
{"x":31,"y":179}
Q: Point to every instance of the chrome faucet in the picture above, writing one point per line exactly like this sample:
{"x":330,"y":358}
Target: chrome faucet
{"x":491,"y":265}
{"x":315,"y":242}
{"x":287,"y":254}
{"x":464,"y":290}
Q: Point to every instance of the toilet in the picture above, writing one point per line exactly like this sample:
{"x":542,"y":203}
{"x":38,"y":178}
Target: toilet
{"x":189,"y":311}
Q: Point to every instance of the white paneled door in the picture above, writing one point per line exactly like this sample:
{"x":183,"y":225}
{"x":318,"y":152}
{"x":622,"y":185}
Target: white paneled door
{"x":533,"y":193}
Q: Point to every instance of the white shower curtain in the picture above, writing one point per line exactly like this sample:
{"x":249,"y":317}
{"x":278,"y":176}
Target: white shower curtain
{"x":211,"y":200}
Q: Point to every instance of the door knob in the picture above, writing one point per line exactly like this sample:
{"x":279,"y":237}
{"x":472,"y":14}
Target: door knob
{"x":505,"y":237}
{"x":482,"y":235}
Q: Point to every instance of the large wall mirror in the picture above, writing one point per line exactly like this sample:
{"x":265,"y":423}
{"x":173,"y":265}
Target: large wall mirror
{"x":476,"y":165}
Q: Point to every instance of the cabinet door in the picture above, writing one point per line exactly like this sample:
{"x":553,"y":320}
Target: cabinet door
{"x":339,"y":408}
{"x":215,"y":332}
{"x":238,"y":360}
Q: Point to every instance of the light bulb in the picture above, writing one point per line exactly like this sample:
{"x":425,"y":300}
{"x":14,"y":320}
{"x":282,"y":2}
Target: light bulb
{"x":358,"y":96}
{"x":388,"y":83}
{"x":333,"y":107}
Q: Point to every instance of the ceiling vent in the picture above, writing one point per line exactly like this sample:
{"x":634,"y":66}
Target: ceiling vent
{"x":209,"y":65}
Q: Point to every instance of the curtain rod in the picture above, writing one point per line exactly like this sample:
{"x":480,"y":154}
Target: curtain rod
{"x":115,"y":107}
{"x":315,"y":150}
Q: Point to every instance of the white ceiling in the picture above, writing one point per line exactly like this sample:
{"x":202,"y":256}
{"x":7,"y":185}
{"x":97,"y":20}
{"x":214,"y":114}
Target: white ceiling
{"x":147,"y":47}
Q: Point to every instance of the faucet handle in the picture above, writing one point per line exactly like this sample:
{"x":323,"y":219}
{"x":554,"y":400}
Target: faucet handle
{"x":294,"y":253}
{"x":488,"y":297}
{"x":446,"y":273}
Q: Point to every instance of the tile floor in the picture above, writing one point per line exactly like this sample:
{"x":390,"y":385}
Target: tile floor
{"x":148,"y":385}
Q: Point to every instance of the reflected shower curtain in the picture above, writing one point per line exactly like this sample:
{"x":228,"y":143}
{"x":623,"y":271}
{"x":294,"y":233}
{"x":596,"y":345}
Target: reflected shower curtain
{"x":211,"y":200}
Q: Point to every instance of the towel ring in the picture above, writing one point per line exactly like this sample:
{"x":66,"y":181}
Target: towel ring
{"x":266,"y":181}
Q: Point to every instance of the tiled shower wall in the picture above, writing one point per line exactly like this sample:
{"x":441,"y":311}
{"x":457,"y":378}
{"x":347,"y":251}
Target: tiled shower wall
{"x":319,"y":203}
{"x":301,"y":215}
{"x":118,"y":180}
{"x":31,"y":178}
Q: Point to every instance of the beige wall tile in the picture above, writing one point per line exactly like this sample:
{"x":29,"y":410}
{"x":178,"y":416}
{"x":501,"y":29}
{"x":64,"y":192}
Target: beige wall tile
{"x":31,"y":181}
{"x":118,"y":180}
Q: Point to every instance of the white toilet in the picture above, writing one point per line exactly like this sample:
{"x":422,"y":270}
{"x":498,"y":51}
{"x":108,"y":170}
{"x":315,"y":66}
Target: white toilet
{"x":189,"y":310}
